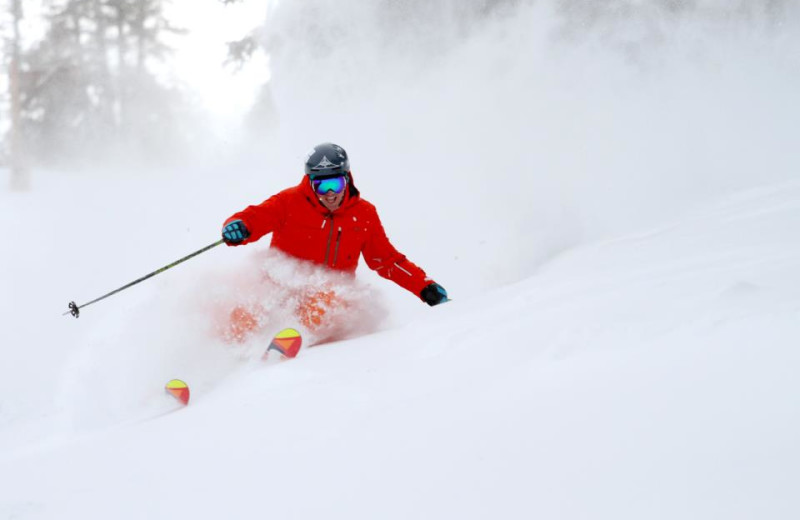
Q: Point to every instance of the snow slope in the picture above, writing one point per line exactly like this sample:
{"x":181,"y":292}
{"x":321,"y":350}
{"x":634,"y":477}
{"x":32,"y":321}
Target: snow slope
{"x":651,"y":376}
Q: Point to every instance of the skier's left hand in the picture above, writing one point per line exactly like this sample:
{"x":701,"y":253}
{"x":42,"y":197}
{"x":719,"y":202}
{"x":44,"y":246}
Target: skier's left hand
{"x":433,"y":294}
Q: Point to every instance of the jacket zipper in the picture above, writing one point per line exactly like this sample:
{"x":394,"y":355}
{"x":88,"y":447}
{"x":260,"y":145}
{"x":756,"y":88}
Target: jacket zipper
{"x":336,"y":250}
{"x":328,"y":247}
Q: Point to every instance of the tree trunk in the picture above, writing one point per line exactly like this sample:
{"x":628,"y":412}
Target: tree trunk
{"x":101,"y":57}
{"x":20,"y":177}
{"x":122,"y":52}
{"x":141,"y":36}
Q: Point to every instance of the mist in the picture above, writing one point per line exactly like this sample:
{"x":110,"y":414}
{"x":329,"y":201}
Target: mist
{"x":569,"y":120}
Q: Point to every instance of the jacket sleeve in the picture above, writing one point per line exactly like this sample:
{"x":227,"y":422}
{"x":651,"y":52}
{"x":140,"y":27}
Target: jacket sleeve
{"x":382,"y":257}
{"x":261,"y":219}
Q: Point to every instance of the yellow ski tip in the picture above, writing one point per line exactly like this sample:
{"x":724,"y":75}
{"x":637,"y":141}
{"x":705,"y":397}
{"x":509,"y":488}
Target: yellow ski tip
{"x":179,"y":390}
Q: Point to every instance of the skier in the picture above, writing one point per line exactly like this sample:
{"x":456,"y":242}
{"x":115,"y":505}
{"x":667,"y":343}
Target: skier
{"x":324,"y":220}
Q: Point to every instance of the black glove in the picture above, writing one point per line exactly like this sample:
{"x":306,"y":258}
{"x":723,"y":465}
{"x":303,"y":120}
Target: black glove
{"x":235,"y":232}
{"x":433,"y":294}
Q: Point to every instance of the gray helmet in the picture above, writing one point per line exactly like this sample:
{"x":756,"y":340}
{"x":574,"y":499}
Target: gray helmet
{"x":327,"y":159}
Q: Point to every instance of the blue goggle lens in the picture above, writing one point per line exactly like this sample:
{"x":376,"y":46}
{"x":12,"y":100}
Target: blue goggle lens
{"x":334,"y":184}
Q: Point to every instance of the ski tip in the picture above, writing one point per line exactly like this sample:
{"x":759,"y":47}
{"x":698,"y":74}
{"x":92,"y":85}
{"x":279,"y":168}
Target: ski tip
{"x":179,"y":390}
{"x":288,"y":334}
{"x":287,"y":342}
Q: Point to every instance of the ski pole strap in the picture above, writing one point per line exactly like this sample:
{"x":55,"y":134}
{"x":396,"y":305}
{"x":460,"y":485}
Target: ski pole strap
{"x":75,"y":310}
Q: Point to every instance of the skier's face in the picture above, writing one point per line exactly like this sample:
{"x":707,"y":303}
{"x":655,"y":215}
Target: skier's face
{"x":331,"y":200}
{"x":330,"y":191}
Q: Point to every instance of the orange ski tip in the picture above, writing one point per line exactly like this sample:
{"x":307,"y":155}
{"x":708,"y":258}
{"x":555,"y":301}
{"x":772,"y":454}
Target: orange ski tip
{"x":287,"y":342}
{"x":179,"y":390}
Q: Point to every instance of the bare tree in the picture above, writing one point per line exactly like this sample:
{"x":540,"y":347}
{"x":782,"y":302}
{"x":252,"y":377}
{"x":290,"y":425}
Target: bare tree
{"x":88,"y":93}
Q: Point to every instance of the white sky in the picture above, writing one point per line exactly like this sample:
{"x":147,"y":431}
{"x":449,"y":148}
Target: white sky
{"x":199,"y":55}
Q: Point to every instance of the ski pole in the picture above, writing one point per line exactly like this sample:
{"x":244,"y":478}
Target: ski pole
{"x":75,"y":309}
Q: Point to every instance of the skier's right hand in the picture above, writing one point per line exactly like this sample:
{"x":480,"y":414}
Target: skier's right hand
{"x":235,"y":232}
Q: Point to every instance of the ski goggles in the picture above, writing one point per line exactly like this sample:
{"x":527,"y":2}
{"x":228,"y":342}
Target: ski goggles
{"x":334,"y":184}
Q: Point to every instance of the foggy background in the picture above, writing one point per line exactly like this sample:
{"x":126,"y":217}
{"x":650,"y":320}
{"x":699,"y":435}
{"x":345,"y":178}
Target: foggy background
{"x":583,"y":116}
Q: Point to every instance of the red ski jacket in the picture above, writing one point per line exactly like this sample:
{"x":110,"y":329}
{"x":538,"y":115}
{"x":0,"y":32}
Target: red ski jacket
{"x":302,"y":227}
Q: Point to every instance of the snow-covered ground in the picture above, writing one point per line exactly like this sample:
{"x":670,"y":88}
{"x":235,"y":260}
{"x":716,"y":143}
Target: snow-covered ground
{"x":620,"y":242}
{"x":650,"y":376}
